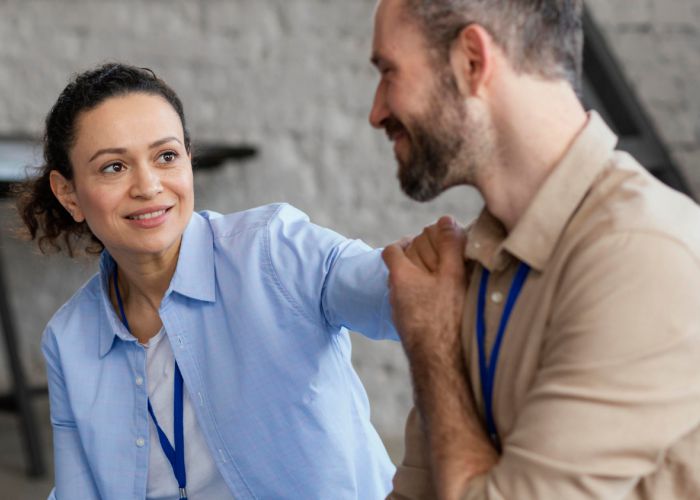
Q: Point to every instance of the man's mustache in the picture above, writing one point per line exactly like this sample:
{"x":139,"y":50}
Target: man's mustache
{"x":392,"y":127}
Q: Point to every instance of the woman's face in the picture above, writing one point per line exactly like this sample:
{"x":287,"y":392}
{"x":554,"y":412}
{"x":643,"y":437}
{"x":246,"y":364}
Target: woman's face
{"x":132,"y":180}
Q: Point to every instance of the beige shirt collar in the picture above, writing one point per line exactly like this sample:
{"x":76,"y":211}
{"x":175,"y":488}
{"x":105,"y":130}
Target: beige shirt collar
{"x":536,"y":234}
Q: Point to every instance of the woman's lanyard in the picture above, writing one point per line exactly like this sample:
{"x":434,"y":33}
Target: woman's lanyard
{"x":487,"y":366}
{"x":176,"y":456}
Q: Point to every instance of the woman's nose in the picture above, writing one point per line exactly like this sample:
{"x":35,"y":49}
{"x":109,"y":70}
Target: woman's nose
{"x":146,"y":183}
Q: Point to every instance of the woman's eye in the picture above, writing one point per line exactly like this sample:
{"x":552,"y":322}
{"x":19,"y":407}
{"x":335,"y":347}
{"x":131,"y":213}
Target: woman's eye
{"x":113,"y":168}
{"x":168,"y":156}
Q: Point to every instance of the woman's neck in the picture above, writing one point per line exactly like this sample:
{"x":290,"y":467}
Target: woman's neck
{"x":143,"y":281}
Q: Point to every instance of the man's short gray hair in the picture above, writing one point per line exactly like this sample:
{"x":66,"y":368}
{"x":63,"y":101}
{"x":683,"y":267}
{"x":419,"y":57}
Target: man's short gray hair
{"x":542,"y":37}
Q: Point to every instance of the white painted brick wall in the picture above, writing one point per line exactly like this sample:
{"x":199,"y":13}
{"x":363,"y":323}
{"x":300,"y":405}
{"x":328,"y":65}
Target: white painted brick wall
{"x":292,"y":77}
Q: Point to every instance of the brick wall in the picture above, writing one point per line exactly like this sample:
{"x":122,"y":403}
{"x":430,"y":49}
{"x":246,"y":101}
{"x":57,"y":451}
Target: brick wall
{"x":291,"y":77}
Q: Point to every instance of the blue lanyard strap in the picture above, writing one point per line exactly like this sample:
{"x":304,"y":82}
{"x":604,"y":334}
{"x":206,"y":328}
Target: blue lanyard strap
{"x":176,"y":456}
{"x":487,"y":365}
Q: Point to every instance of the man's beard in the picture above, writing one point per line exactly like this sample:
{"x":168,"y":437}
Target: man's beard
{"x":439,"y":155}
{"x":423,"y":175}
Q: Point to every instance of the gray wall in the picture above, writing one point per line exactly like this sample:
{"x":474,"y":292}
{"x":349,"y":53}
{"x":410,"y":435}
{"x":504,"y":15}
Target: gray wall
{"x":292,"y":77}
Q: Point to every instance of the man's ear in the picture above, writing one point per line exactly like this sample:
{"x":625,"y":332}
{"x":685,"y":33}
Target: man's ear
{"x":64,"y":191}
{"x":472,"y":59}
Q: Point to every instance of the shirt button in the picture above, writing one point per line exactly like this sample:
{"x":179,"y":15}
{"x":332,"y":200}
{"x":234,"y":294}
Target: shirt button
{"x":140,"y":442}
{"x":477,"y":245}
{"x":497,"y":297}
{"x":139,"y":380}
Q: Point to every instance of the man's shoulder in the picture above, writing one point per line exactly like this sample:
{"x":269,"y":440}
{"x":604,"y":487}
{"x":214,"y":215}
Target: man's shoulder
{"x":627,"y":199}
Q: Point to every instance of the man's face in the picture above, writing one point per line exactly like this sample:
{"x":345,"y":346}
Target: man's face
{"x":440,"y":139}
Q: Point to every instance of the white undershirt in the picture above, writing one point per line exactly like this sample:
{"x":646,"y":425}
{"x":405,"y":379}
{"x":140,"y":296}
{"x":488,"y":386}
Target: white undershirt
{"x":204,"y":481}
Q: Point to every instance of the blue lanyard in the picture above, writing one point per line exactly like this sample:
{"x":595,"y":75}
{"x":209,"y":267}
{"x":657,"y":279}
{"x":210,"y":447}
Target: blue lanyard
{"x":487,"y":367}
{"x":176,"y":456}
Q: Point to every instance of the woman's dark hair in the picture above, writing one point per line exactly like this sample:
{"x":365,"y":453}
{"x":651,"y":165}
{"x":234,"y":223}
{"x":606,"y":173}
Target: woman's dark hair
{"x":44,"y":217}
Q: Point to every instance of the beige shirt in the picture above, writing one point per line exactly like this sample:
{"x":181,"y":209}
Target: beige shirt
{"x":597,"y":390}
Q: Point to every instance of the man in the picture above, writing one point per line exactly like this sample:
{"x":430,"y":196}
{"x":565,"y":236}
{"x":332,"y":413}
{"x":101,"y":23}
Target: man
{"x":567,"y":367}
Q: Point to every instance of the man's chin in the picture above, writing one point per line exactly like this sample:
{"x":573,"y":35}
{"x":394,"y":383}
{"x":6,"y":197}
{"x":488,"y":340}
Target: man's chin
{"x":418,"y":189}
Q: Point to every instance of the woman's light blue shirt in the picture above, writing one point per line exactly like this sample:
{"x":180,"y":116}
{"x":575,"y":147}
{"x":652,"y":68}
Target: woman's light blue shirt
{"x":256,"y":314}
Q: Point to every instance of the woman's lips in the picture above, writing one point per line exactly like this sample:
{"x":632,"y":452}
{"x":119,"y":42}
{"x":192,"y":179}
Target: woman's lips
{"x":149,"y":218}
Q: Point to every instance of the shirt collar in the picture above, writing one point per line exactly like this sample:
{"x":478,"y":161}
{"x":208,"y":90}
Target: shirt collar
{"x":194,"y":278}
{"x":110,"y":325}
{"x":536,"y":234}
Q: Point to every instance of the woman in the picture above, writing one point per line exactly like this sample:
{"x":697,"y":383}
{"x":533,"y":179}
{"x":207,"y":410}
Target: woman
{"x":220,"y":334}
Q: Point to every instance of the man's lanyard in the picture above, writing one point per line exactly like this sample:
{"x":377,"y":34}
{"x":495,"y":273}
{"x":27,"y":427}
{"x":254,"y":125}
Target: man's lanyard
{"x":176,"y":456}
{"x":487,"y":366}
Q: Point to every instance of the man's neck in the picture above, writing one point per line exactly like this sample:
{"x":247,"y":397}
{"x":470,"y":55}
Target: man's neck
{"x":534,"y":134}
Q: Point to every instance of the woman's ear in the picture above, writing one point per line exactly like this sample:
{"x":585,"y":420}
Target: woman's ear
{"x":471,"y":58}
{"x":64,"y":191}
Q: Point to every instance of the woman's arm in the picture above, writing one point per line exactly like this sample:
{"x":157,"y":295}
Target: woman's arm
{"x":72,"y":472}
{"x":328,"y":278}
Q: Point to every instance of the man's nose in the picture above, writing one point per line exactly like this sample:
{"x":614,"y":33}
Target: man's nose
{"x":379,"y":111}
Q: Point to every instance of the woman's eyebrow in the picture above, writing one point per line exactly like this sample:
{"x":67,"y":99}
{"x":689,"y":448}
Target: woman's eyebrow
{"x":122,"y":151}
{"x":119,"y":151}
{"x":160,"y":142}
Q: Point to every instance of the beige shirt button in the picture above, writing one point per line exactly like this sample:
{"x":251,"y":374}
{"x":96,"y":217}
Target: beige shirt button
{"x":139,"y":380}
{"x":477,"y":245}
{"x":497,"y":297}
{"x":140,"y":442}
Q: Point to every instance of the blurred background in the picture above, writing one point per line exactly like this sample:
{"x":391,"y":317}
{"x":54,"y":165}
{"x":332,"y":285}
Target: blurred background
{"x":290,"y":80}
